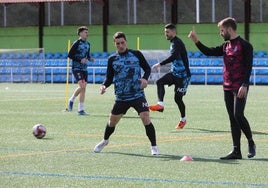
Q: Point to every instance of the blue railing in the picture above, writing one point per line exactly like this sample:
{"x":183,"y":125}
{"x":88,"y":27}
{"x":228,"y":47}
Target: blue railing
{"x":204,"y":70}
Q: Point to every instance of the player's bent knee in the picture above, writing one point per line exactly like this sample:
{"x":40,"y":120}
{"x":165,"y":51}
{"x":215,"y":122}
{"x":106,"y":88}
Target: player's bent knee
{"x":114,"y":119}
{"x":82,"y":82}
{"x":159,"y":82}
{"x":145,"y":117}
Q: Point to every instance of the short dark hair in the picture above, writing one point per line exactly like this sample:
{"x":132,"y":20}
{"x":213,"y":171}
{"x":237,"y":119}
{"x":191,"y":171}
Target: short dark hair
{"x":170,"y":26}
{"x":228,"y":22}
{"x":119,"y":34}
{"x":80,"y":29}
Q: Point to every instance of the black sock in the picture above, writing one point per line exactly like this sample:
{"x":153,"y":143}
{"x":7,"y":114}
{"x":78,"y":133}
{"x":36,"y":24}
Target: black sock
{"x":108,"y":131}
{"x":150,"y":132}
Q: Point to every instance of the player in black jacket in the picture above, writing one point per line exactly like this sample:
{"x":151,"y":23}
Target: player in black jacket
{"x":80,"y":55}
{"x":179,"y":74}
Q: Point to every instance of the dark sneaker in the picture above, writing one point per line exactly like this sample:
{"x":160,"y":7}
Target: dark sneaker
{"x":82,"y":113}
{"x":251,"y":150}
{"x":232,"y":155}
{"x":70,"y":105}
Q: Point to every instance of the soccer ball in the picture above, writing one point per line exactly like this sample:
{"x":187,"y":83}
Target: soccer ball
{"x":39,"y":131}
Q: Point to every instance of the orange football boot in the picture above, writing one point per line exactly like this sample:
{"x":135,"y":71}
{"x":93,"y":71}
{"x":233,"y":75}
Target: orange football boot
{"x":181,"y":124}
{"x":156,"y":107}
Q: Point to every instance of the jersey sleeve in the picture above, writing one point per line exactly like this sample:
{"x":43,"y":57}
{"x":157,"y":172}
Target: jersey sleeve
{"x":109,"y":73}
{"x":72,"y":52}
{"x":210,"y":51}
{"x":248,"y":59}
{"x":174,"y":53}
{"x":144,"y":64}
{"x":88,"y":52}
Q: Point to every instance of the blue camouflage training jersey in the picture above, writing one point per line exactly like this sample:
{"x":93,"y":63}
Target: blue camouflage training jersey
{"x":178,"y":58}
{"x":124,"y":70}
{"x":80,"y":49}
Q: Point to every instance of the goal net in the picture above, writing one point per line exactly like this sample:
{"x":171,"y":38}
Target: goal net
{"x":22,"y":65}
{"x":153,"y":57}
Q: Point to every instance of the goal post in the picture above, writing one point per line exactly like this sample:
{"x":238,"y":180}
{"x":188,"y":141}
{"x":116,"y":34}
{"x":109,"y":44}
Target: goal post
{"x":67,"y":77}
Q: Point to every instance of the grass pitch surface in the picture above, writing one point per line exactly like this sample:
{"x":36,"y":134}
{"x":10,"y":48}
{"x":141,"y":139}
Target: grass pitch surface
{"x":65,"y":157}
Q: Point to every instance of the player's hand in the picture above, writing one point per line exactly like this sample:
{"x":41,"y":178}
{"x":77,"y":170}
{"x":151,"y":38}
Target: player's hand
{"x":144,"y":83}
{"x":156,"y":66}
{"x":192,"y":35}
{"x":102,"y":89}
{"x":242,"y":92}
{"x":84,"y":60}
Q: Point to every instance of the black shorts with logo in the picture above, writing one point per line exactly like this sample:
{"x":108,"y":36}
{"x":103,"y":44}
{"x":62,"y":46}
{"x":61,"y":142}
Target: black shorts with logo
{"x":80,"y":75}
{"x":181,"y":84}
{"x":139,"y":104}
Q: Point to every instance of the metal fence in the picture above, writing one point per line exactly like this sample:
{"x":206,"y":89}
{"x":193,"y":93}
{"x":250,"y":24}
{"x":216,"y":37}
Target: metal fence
{"x":89,"y":12}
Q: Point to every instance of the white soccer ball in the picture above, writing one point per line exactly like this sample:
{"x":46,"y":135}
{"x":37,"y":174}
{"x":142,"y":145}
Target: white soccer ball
{"x":39,"y":131}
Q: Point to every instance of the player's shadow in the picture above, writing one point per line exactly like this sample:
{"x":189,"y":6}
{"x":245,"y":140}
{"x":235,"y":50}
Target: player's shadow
{"x":204,"y":159}
{"x":259,"y":133}
{"x":222,"y":131}
{"x":167,"y":157}
{"x":208,"y":130}
{"x":47,"y":138}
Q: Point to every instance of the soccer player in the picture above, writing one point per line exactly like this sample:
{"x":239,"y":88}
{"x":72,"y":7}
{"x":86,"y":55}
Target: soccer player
{"x":179,"y":74}
{"x":80,"y":54}
{"x":238,"y":57}
{"x":124,"y":70}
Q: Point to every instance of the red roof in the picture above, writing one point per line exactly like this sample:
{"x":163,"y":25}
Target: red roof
{"x":36,"y":1}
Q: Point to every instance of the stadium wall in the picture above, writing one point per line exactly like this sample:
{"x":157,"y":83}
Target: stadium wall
{"x":151,"y":36}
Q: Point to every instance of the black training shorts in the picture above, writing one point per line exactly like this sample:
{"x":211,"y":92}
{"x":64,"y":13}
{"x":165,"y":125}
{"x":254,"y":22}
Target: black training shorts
{"x":121,"y":107}
{"x":181,"y":84}
{"x":80,"y":75}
